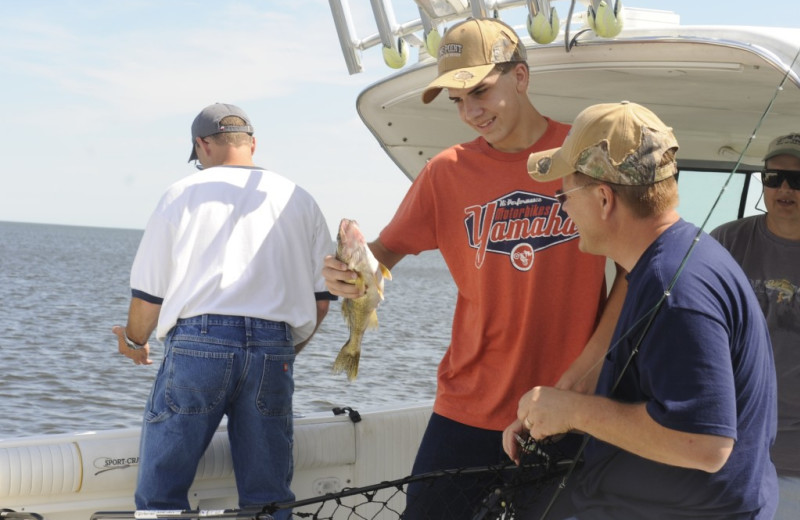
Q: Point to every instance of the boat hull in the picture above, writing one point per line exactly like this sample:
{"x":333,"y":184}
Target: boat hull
{"x":70,"y":477}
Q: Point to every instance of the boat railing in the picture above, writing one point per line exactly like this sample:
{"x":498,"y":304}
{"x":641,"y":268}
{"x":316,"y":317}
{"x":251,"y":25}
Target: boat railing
{"x":604,"y":18}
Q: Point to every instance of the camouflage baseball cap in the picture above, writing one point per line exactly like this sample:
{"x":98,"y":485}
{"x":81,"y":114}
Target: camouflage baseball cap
{"x":619,"y":143}
{"x":469,"y":51}
{"x":784,"y":145}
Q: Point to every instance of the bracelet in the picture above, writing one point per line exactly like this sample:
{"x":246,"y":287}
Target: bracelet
{"x":132,"y":344}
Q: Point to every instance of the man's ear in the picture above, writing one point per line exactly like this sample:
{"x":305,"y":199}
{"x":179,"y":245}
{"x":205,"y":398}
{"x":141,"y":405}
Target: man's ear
{"x":607,"y":199}
{"x":202,"y":143}
{"x":522,"y":76}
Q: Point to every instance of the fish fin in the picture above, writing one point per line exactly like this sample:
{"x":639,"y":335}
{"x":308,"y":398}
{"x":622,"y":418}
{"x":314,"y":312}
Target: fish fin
{"x":347,"y":311}
{"x":372,"y":321}
{"x":385,"y":271}
{"x":347,"y":360}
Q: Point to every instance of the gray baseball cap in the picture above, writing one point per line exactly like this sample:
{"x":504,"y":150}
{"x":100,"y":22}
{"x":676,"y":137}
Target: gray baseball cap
{"x":785,"y":144}
{"x":208,"y":120}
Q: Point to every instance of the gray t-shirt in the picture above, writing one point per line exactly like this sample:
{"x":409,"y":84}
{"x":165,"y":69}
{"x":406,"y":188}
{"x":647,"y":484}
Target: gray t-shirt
{"x":772,"y":265}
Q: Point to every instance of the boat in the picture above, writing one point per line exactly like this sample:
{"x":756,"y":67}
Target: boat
{"x":74,"y":476}
{"x":725,"y":90}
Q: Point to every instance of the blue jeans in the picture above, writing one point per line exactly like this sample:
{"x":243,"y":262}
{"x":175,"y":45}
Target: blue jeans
{"x":213,"y":366}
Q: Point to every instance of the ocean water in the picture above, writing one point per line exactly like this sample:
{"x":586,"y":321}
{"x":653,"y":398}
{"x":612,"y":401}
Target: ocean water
{"x":63,"y":287}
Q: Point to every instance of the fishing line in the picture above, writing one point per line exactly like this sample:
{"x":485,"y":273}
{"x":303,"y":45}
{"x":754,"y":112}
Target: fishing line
{"x":653,"y":312}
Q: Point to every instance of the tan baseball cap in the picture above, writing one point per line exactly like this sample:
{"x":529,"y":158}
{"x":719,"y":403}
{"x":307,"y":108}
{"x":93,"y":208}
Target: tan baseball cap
{"x":469,"y":51}
{"x":619,"y":143}
{"x":784,"y":145}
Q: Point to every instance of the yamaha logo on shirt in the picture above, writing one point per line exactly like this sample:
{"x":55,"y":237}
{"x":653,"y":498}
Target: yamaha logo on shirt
{"x":518,"y":225}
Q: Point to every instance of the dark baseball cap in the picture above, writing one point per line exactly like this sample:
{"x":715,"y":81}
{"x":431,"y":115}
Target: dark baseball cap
{"x":208,"y":120}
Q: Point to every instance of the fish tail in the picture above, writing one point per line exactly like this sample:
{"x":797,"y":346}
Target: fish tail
{"x":347,"y":360}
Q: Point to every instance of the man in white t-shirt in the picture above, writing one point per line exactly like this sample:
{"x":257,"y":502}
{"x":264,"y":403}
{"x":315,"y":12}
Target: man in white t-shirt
{"x":228,"y":274}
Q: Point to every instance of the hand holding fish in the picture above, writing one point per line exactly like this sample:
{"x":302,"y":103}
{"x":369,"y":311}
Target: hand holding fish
{"x":340,"y":279}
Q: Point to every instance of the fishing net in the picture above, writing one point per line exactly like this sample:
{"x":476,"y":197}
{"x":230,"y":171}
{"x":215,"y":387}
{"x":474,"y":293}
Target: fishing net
{"x":501,"y":492}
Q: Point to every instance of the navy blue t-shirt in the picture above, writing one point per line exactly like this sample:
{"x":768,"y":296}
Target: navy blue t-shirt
{"x":705,"y":366}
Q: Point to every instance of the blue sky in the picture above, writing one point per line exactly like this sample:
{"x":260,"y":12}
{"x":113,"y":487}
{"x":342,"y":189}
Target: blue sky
{"x":98,"y":97}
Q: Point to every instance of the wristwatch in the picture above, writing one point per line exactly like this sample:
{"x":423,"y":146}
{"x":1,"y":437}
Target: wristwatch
{"x":132,"y":344}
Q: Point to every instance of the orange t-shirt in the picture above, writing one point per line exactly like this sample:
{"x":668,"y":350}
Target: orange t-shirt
{"x":528,"y":299}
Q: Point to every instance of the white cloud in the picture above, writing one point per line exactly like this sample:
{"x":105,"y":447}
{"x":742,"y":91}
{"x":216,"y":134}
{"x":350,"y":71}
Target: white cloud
{"x":101,"y":95}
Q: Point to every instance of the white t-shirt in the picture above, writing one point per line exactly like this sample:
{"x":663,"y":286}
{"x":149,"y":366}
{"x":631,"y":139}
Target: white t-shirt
{"x":237,"y":241}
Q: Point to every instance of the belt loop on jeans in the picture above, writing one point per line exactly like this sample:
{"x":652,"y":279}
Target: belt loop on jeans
{"x":204,"y":324}
{"x":247,"y":326}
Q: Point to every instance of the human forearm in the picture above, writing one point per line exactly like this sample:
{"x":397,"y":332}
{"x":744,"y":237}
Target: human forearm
{"x":322,"y":311}
{"x":383,"y":254}
{"x":142,"y":320}
{"x":582,"y":375}
{"x":630,"y":427}
{"x":546,"y":412}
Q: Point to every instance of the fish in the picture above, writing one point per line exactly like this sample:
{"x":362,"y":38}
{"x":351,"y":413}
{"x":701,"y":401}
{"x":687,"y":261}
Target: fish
{"x":359,"y":313}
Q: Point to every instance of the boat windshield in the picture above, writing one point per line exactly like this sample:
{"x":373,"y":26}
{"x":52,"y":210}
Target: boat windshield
{"x":698,"y":190}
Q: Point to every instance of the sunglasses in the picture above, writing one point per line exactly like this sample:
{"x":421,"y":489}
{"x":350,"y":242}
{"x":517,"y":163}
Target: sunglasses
{"x":561,"y":196}
{"x":775,"y":178}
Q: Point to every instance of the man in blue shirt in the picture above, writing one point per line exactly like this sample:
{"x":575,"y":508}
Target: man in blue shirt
{"x":684,"y":413}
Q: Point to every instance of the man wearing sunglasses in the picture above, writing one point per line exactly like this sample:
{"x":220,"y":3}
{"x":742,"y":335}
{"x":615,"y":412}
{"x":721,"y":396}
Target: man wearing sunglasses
{"x":768,"y":249}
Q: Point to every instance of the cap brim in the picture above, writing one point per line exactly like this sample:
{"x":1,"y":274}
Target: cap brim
{"x":783,"y":151}
{"x":456,"y":78}
{"x":548,"y":165}
{"x":193,"y":156}
{"x":430,"y":93}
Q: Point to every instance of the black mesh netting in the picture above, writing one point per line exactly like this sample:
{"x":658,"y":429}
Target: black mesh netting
{"x":485,"y":493}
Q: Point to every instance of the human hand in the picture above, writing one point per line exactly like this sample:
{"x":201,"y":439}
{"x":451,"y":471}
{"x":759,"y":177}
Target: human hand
{"x":339,"y":279}
{"x":546,"y":411}
{"x":139,"y":357}
{"x":510,"y":443}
